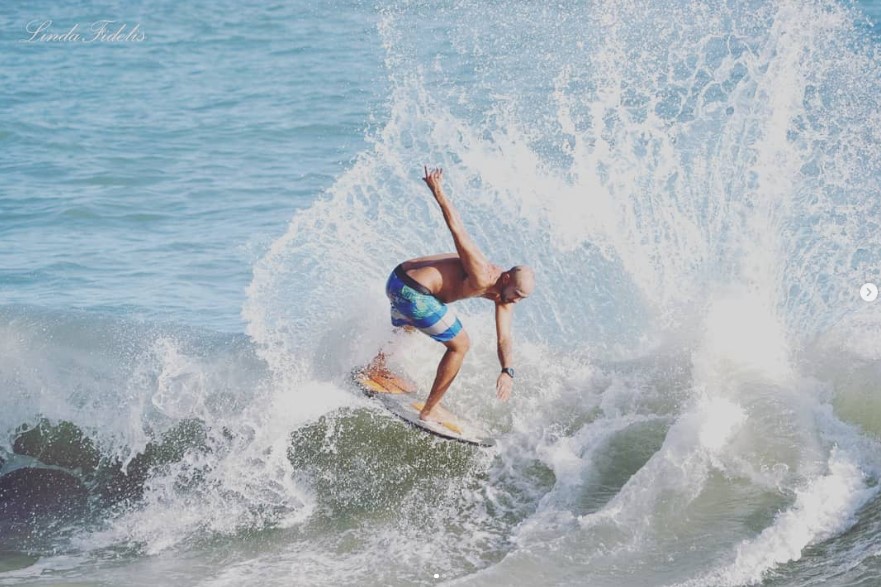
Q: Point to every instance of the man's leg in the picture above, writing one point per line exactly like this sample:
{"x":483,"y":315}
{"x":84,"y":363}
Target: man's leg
{"x":447,"y":370}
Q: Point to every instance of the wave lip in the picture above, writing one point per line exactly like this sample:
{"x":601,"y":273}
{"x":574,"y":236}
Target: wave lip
{"x":827,"y":506}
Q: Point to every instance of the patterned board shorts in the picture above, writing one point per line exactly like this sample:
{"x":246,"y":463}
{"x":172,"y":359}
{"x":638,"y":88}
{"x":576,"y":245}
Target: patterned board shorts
{"x":413,"y":305}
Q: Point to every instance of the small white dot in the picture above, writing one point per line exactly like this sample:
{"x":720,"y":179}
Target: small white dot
{"x":436,"y":576}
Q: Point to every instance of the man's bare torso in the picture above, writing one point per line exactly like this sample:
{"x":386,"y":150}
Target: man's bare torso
{"x":445,"y":277}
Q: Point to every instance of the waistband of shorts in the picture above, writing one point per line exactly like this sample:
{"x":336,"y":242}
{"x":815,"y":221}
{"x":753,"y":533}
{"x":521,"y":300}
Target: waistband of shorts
{"x":402,"y":275}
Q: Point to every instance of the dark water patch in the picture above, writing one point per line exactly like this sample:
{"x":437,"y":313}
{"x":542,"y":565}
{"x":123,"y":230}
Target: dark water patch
{"x":31,"y":497}
{"x":106,"y":477}
{"x":623,"y":457}
{"x":60,"y":482}
{"x":13,"y":560}
{"x":361,"y":462}
{"x":118,"y":481}
{"x":63,"y":445}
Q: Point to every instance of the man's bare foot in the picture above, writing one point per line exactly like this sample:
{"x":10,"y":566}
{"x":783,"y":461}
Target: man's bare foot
{"x":431,"y":416}
{"x":437,"y":414}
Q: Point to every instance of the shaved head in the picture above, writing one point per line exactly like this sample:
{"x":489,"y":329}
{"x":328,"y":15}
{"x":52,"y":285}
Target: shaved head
{"x":521,"y":281}
{"x":523,"y":278}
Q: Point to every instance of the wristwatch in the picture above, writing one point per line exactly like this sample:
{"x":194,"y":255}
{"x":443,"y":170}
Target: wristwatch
{"x":509,"y":371}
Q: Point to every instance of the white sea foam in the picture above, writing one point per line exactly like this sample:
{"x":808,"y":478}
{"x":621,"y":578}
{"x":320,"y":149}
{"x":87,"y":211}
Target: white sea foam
{"x":695,"y":186}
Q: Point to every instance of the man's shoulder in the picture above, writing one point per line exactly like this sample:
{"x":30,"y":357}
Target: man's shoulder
{"x":486,"y":276}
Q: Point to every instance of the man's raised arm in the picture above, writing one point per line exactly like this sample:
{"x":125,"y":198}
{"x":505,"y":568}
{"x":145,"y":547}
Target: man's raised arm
{"x":476,"y":264}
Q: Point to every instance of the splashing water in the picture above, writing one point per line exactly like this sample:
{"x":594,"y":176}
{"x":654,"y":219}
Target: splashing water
{"x":696,"y":186}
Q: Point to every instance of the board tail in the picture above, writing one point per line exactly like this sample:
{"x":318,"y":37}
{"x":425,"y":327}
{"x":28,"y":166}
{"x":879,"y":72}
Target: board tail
{"x":383,"y":381}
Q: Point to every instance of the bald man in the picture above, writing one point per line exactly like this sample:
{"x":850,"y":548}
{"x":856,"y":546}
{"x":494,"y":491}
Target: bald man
{"x":420,"y":289}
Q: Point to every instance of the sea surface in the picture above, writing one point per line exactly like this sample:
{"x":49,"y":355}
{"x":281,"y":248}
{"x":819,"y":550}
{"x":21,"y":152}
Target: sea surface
{"x":200,"y":203}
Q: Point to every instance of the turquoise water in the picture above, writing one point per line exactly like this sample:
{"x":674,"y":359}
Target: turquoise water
{"x":197,"y":219}
{"x":145,"y":178}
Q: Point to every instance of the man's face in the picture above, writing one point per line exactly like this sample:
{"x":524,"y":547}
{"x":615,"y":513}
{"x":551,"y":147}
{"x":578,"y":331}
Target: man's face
{"x":511,"y":294}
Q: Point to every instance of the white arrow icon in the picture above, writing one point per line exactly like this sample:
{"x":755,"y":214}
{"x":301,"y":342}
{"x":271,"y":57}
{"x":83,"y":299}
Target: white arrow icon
{"x":869,"y":292}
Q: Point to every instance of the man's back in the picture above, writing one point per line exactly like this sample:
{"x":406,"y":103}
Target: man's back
{"x":445,"y":277}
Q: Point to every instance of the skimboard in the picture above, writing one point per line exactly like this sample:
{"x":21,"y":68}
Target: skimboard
{"x":399,"y":397}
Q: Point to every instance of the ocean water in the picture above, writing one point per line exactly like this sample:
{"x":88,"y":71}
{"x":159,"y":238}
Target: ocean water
{"x":200,"y":203}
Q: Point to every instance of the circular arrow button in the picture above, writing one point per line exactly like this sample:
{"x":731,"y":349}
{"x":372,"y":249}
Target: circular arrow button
{"x":869,"y":292}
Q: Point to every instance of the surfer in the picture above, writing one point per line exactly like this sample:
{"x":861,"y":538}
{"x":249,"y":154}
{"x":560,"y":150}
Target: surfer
{"x":420,"y":289}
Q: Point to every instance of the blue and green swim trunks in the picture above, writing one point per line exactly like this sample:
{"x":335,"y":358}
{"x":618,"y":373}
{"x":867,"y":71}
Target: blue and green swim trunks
{"x":413,"y":305}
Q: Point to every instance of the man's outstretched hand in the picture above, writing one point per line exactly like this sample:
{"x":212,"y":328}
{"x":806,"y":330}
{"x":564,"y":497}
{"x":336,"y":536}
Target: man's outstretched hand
{"x":504,"y":385}
{"x":433,"y":178}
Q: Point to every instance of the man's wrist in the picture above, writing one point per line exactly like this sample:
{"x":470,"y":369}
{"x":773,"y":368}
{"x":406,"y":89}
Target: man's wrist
{"x":509,"y":371}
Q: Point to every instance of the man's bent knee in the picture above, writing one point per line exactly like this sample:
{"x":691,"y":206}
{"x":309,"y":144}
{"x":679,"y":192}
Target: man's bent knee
{"x":459,"y":343}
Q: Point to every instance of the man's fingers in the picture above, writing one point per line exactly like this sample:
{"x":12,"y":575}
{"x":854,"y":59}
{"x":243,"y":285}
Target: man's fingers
{"x":433,"y":176}
{"x":503,"y":390}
